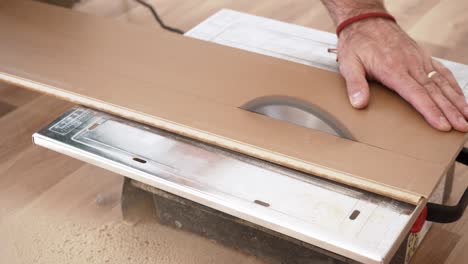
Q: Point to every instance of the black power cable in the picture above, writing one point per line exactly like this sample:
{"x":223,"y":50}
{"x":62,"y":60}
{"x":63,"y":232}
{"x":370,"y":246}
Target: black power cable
{"x":447,"y":214}
{"x":158,"y":19}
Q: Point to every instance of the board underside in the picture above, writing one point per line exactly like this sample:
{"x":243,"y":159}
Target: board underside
{"x":195,"y":88}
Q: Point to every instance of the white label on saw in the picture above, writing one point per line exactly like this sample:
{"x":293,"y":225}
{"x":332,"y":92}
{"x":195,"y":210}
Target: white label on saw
{"x":72,"y":121}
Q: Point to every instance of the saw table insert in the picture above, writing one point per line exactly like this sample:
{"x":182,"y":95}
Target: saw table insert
{"x":195,"y":88}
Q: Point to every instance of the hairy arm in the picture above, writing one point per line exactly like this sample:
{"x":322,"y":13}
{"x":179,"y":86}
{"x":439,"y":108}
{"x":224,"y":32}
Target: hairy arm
{"x":342,"y":9}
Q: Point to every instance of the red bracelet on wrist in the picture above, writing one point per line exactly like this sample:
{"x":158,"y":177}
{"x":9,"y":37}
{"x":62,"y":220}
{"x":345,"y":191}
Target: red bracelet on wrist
{"x":360,"y":17}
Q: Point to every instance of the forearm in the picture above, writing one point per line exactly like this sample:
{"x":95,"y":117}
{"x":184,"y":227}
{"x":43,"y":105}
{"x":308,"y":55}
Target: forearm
{"x":341,"y":10}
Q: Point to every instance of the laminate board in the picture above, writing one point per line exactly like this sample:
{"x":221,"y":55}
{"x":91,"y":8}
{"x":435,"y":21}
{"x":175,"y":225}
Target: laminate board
{"x":446,"y":243}
{"x":301,"y":12}
{"x":14,"y":96}
{"x":18,"y":126}
{"x":409,"y":13}
{"x":5,"y":108}
{"x":18,"y":188}
{"x":41,"y":233}
{"x":451,"y":33}
{"x":110,"y":8}
{"x":196,"y":89}
{"x":78,"y":220}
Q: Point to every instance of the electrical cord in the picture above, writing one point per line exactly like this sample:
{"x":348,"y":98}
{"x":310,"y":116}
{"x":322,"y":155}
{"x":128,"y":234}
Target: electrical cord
{"x":439,"y":213}
{"x":158,"y":19}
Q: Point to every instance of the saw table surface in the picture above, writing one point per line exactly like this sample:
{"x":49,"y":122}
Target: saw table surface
{"x":195,"y":88}
{"x":68,"y":187}
{"x":352,"y":223}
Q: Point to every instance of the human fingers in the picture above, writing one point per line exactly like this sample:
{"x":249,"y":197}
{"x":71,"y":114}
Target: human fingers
{"x":356,"y":82}
{"x":440,"y":68}
{"x":441,"y":92}
{"x":451,"y":112}
{"x":451,"y":93}
{"x":417,"y":95}
{"x":444,"y":78}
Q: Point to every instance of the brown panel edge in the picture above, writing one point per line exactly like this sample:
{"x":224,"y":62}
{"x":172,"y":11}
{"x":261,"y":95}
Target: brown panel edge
{"x":278,"y":158}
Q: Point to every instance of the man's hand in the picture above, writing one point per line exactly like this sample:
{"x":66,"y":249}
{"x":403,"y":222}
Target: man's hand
{"x":378,"y":49}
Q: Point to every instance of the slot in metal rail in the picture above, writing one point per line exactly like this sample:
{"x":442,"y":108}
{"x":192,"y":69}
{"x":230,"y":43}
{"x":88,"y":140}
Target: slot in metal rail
{"x":350,"y":222}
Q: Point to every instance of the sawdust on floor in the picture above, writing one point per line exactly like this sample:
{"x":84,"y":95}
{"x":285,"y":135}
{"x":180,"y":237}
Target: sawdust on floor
{"x":96,"y":233}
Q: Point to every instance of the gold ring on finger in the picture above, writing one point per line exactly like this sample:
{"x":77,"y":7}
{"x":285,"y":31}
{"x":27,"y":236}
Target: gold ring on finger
{"x":431,"y":74}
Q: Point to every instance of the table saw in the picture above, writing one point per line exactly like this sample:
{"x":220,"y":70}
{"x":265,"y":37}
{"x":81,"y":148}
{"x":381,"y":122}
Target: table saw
{"x":245,"y":202}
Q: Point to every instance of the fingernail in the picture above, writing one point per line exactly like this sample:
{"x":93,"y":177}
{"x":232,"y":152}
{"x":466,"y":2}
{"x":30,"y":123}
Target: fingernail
{"x":444,"y":124}
{"x":465,"y":110}
{"x":462,"y":121}
{"x":357,"y":98}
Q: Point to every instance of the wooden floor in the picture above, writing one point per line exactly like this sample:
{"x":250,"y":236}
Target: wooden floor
{"x":48,"y":202}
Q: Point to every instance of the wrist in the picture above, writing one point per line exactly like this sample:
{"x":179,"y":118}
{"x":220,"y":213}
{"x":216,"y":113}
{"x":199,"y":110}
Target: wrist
{"x":340,"y":10}
{"x":368,"y":25}
{"x":348,"y":12}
